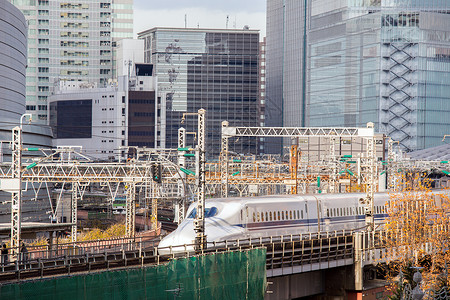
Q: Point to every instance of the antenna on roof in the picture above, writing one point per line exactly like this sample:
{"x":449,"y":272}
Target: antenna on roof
{"x":185,"y":20}
{"x":228,"y":19}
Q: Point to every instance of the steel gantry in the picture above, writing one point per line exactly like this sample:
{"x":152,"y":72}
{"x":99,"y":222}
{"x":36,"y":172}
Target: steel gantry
{"x":78,"y":172}
{"x":330,"y":132}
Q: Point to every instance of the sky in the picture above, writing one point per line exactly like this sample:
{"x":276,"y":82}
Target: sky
{"x":202,"y":13}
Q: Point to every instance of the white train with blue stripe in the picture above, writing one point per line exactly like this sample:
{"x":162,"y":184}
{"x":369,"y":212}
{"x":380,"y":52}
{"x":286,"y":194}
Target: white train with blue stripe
{"x":240,"y":218}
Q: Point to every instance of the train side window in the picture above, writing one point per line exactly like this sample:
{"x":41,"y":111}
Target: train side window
{"x":262,"y":217}
{"x":270,"y":216}
{"x":258,"y":216}
{"x":267,"y":216}
{"x":287,"y":215}
{"x":290,"y":214}
{"x":279,"y":216}
{"x":328,"y":213}
{"x":302,"y":213}
{"x":254,"y":217}
{"x":282,"y":215}
{"x":298,"y":215}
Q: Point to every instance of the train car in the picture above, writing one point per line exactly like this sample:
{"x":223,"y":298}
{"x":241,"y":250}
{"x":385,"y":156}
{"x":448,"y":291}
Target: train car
{"x":233,"y":218}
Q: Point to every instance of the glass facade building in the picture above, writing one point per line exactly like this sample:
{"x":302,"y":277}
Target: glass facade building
{"x":386,"y":62}
{"x":70,"y":41}
{"x":204,"y":68}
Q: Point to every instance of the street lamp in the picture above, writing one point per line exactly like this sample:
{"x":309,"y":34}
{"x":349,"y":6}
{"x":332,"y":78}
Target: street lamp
{"x":23,"y":116}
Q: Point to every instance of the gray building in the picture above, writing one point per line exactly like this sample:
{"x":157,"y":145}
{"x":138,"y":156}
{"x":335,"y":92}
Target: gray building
{"x":386,"y":62}
{"x":13,"y":61}
{"x":214,"y":69}
{"x":71,"y":41}
{"x":103,"y":120}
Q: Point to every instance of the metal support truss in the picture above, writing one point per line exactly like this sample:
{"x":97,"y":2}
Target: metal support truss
{"x":180,"y":206}
{"x":332,"y":160}
{"x":390,"y":166}
{"x":224,"y":163}
{"x":130,"y":210}
{"x":296,"y":131}
{"x":293,"y":166}
{"x":74,"y":208}
{"x":199,"y":222}
{"x":16,"y":195}
{"x":155,"y":196}
{"x":369,"y":176}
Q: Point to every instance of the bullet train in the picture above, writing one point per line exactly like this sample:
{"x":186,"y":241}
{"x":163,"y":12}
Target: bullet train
{"x":233,"y":218}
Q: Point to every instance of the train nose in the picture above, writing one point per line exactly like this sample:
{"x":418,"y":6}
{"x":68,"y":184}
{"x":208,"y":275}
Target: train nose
{"x":179,"y":241}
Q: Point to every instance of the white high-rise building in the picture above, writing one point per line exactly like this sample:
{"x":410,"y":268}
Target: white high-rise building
{"x":71,"y":41}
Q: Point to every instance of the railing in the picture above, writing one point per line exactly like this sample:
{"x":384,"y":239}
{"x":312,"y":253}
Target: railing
{"x":285,"y":251}
{"x":30,"y":255}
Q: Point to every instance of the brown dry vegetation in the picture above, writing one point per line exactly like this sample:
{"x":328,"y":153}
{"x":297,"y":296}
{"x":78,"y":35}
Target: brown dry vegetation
{"x":417,"y":232}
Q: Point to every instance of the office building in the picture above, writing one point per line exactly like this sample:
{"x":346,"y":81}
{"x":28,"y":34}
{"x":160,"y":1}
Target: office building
{"x":355,"y":62}
{"x":71,"y":41}
{"x":214,"y":69}
{"x":105,"y":120}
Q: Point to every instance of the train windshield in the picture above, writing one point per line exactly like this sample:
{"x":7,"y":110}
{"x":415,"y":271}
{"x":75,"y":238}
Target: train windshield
{"x":209,"y":212}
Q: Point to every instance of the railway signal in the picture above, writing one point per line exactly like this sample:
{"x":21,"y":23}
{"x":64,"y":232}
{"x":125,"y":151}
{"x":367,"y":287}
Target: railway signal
{"x":156,"y":173}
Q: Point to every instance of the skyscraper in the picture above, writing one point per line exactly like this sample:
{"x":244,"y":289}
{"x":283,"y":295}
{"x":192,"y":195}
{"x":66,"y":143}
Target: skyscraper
{"x":214,"y":69}
{"x":386,"y":62}
{"x":71,"y":41}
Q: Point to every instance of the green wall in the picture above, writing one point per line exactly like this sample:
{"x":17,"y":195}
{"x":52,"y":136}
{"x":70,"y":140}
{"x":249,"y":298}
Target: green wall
{"x":229,"y":275}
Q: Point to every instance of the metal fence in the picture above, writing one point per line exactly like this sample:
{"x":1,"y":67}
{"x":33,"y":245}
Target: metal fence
{"x":286,"y":251}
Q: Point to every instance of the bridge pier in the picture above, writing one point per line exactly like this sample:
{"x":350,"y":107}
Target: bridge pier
{"x":335,"y":284}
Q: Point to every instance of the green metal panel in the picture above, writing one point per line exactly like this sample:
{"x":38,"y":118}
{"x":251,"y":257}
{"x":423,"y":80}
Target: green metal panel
{"x":229,"y":275}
